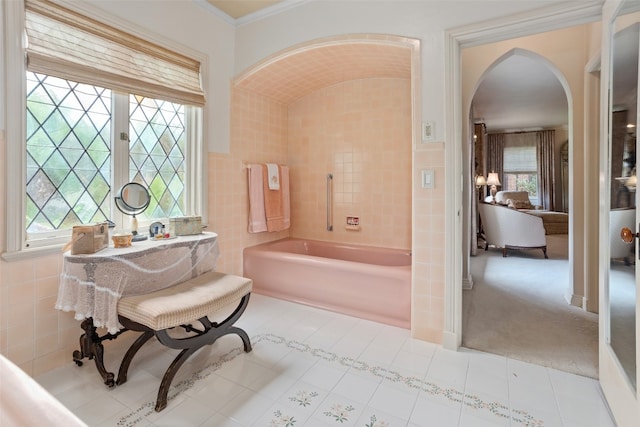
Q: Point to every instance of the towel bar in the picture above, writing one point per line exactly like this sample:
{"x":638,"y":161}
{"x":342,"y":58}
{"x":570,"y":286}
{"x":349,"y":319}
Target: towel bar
{"x":329,"y":202}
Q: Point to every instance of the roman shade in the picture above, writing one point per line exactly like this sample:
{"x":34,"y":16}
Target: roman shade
{"x":69,"y":45}
{"x":520,"y":152}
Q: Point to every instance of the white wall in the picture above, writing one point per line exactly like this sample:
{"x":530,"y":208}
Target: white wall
{"x":424,"y":20}
{"x":189,"y":24}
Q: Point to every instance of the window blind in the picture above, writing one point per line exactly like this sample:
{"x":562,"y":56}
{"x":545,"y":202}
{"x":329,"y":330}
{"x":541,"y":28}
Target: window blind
{"x":520,"y":152}
{"x":69,"y":45}
{"x":520,"y":159}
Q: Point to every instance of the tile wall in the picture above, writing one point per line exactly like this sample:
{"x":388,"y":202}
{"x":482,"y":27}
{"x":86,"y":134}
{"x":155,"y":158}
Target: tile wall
{"x":359,"y":131}
{"x":258,"y":135}
{"x":429,"y":242}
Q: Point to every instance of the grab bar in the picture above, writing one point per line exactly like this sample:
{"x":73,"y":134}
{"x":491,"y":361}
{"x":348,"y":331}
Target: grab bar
{"x":329,"y":202}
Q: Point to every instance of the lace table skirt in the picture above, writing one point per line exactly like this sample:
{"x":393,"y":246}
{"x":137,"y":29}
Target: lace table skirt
{"x":92,"y":284}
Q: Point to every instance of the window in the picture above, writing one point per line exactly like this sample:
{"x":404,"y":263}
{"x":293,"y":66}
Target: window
{"x":520,"y":170}
{"x":69,"y":146}
{"x":79,"y":140}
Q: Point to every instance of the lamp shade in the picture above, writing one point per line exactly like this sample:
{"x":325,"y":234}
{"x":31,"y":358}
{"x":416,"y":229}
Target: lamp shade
{"x":480,"y":181}
{"x":493,"y":179}
{"x":632,"y":182}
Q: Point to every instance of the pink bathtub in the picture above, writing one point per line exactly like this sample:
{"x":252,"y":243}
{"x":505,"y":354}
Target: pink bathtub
{"x":367,"y":282}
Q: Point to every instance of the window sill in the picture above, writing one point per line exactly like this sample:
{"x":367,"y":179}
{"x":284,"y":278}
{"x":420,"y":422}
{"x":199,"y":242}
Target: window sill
{"x":32,"y":253}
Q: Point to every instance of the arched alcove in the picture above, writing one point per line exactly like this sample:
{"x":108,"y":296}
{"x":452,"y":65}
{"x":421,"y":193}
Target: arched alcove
{"x":352,"y":95}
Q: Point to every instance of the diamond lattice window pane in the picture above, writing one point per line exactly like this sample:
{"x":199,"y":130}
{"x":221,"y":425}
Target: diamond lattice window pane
{"x":157,"y":155}
{"x":68,"y":155}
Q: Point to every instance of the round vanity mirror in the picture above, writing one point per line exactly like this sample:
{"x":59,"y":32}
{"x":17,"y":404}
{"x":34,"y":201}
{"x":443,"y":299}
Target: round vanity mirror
{"x":133,"y":199}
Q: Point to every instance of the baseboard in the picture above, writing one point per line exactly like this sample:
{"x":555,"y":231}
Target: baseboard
{"x":450,"y":341}
{"x":467,"y":283}
{"x":576,"y":300}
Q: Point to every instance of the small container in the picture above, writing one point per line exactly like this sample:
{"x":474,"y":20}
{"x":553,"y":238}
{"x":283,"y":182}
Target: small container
{"x":185,"y":225}
{"x":122,"y":240}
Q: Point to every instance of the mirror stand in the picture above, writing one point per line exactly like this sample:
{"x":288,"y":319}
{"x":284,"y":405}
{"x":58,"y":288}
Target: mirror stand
{"x":134,"y":230}
{"x":133,"y":199}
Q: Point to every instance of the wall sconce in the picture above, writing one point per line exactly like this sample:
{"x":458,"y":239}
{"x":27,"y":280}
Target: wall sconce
{"x":494,"y":182}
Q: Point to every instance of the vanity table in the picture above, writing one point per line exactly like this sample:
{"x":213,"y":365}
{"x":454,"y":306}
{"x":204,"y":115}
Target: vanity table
{"x":92,"y":284}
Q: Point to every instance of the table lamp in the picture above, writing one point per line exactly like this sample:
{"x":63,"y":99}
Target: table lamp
{"x":494,"y":182}
{"x":480,"y":182}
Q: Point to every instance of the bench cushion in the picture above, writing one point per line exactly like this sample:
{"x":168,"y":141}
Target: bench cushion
{"x":186,"y":302}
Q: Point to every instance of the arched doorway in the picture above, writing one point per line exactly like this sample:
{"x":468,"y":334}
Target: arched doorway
{"x":535,"y":318}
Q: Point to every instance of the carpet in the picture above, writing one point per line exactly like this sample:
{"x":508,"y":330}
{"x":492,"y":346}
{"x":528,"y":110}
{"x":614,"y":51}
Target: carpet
{"x":517,"y":309}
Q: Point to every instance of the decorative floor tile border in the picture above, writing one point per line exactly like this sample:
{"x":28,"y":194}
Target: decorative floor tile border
{"x":304,"y":398}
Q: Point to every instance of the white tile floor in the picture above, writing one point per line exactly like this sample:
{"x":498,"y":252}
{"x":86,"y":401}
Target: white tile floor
{"x":315,"y":368}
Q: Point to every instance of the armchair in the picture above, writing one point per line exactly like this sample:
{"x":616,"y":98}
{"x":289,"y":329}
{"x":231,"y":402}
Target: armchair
{"x":511,"y":229}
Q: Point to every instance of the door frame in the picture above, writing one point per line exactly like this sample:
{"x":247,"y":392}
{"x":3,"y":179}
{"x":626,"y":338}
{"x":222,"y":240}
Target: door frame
{"x":619,"y":393}
{"x":520,"y":25}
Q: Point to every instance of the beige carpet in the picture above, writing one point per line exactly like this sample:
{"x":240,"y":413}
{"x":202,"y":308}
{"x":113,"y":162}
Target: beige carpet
{"x":517,"y":309}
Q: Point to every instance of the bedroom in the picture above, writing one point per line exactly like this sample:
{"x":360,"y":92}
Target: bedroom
{"x":520,"y":99}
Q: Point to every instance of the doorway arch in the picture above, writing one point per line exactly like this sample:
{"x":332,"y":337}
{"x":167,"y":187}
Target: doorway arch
{"x":532,"y":60}
{"x":540,"y":21}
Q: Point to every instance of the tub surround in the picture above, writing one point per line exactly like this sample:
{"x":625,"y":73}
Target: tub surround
{"x":368,"y":282}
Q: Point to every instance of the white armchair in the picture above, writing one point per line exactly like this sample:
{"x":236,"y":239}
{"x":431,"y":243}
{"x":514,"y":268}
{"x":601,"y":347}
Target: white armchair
{"x":511,"y":229}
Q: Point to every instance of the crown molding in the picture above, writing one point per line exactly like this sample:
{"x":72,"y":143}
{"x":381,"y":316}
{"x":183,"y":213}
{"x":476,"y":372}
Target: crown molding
{"x":252,"y":17}
{"x":527,"y":23}
{"x":269,"y":11}
{"x":211,"y":8}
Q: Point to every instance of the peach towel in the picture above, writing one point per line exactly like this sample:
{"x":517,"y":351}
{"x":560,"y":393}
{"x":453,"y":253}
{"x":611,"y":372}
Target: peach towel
{"x":273,"y":204}
{"x":257,"y":218}
{"x":258,"y":222}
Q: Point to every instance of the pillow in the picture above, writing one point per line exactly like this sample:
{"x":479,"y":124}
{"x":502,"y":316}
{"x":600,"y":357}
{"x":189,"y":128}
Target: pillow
{"x":519,"y":204}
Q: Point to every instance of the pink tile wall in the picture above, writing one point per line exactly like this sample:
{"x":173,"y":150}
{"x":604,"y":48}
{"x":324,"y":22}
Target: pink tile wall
{"x":37,"y":336}
{"x":427,"y":317}
{"x":360,"y":131}
{"x":258,"y":135}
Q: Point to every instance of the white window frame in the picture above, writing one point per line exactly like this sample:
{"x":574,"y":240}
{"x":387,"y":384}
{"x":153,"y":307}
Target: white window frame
{"x":15,"y":245}
{"x":507,"y":171}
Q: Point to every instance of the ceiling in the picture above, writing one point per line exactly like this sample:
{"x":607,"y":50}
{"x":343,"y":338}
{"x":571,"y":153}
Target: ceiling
{"x":294,"y":75}
{"x":520,"y":93}
{"x":240,"y":8}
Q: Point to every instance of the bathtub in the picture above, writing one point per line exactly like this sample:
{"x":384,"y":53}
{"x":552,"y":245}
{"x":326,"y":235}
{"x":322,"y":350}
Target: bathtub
{"x":367,"y":282}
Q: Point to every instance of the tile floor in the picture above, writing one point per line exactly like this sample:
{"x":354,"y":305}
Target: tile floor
{"x":315,"y":368}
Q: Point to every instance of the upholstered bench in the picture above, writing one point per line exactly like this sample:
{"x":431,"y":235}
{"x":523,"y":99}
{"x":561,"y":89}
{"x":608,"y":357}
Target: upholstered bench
{"x":185,"y":305}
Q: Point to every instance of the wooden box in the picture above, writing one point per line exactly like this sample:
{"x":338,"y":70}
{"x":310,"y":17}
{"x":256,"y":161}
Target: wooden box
{"x":89,"y":239}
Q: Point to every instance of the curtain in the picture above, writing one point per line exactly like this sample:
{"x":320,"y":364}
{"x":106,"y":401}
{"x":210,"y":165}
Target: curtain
{"x":546,"y":176}
{"x":495,"y":154}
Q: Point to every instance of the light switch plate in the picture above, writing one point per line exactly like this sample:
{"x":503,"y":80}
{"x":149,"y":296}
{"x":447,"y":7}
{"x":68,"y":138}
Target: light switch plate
{"x":428,"y":133}
{"x":427,"y":178}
